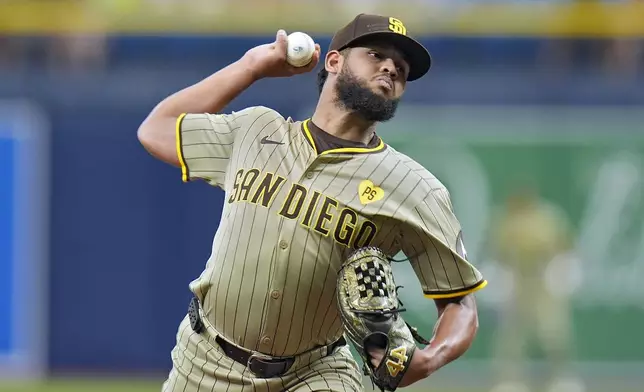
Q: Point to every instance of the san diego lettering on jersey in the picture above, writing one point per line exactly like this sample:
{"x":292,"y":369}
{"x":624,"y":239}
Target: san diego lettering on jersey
{"x":312,"y":209}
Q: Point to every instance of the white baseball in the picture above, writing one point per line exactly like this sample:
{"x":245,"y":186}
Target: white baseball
{"x":300,"y":49}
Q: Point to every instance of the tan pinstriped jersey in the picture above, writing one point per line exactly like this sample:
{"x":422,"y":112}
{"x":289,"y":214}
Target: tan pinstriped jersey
{"x":291,"y":217}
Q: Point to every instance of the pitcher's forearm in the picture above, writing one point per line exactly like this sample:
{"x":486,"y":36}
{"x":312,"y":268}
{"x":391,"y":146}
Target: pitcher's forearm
{"x":157,"y":133}
{"x":211,"y":94}
{"x":454,"y":332}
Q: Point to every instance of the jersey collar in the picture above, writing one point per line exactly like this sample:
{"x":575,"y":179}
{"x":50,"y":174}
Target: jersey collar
{"x":345,"y":150}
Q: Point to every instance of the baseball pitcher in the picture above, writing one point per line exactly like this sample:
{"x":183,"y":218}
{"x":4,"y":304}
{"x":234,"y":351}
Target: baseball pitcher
{"x":301,"y":198}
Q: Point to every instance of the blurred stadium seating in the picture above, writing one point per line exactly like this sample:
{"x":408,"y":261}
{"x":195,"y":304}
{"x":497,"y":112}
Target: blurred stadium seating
{"x":546,"y":96}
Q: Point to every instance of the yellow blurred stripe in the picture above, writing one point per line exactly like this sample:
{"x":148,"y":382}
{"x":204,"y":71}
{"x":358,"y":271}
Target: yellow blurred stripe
{"x":43,"y":16}
{"x":252,"y":16}
{"x":580,"y":19}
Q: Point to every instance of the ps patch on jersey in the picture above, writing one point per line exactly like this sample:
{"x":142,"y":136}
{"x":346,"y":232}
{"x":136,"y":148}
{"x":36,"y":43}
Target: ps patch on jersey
{"x":369,"y":192}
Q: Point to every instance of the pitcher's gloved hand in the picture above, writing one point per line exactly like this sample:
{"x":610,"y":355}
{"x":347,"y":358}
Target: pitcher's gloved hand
{"x":370,"y":311}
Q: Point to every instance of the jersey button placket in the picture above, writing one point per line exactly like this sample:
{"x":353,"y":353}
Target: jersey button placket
{"x":275,"y":293}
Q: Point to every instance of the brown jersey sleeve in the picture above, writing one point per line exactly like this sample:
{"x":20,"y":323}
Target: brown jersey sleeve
{"x":433,"y":241}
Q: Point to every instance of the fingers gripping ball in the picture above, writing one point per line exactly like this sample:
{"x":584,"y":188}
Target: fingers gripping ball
{"x":300,"y":49}
{"x":370,"y":312}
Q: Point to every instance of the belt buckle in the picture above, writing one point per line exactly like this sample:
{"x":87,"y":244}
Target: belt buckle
{"x":250,"y":362}
{"x":259,"y":365}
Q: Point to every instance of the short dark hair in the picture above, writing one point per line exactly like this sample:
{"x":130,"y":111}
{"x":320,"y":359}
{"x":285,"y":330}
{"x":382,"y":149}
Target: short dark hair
{"x":323,"y":74}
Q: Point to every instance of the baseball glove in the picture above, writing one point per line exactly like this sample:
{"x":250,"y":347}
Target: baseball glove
{"x":369,"y":307}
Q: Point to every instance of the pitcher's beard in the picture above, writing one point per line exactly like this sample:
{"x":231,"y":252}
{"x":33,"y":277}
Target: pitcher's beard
{"x":354,"y":95}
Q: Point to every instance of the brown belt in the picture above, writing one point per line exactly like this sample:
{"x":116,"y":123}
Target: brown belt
{"x":261,"y":366}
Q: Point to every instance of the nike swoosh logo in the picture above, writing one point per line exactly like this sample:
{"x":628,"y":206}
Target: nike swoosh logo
{"x":265,"y":140}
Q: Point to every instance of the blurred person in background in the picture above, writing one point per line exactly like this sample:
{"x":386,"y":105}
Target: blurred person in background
{"x":624,"y":55}
{"x":81,"y":49}
{"x":531,"y":238}
{"x":609,"y":49}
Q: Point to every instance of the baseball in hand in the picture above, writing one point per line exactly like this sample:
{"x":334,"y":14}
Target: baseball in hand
{"x":300,"y":49}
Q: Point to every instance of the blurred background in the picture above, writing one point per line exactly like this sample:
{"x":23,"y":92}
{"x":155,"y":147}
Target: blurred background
{"x":533,"y":116}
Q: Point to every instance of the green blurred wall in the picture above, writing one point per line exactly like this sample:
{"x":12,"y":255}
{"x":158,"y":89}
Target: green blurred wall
{"x":588,"y":161}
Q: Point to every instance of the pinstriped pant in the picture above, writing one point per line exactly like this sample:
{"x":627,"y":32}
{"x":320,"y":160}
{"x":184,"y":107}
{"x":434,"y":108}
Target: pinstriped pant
{"x":200,"y":365}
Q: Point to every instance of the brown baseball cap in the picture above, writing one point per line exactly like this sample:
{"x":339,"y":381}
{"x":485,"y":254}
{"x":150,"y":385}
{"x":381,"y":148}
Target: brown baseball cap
{"x":377,"y":28}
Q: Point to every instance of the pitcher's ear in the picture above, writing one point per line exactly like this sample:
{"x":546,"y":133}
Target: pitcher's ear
{"x":333,"y":61}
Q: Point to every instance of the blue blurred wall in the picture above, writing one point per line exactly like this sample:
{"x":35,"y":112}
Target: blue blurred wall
{"x":127,"y":236}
